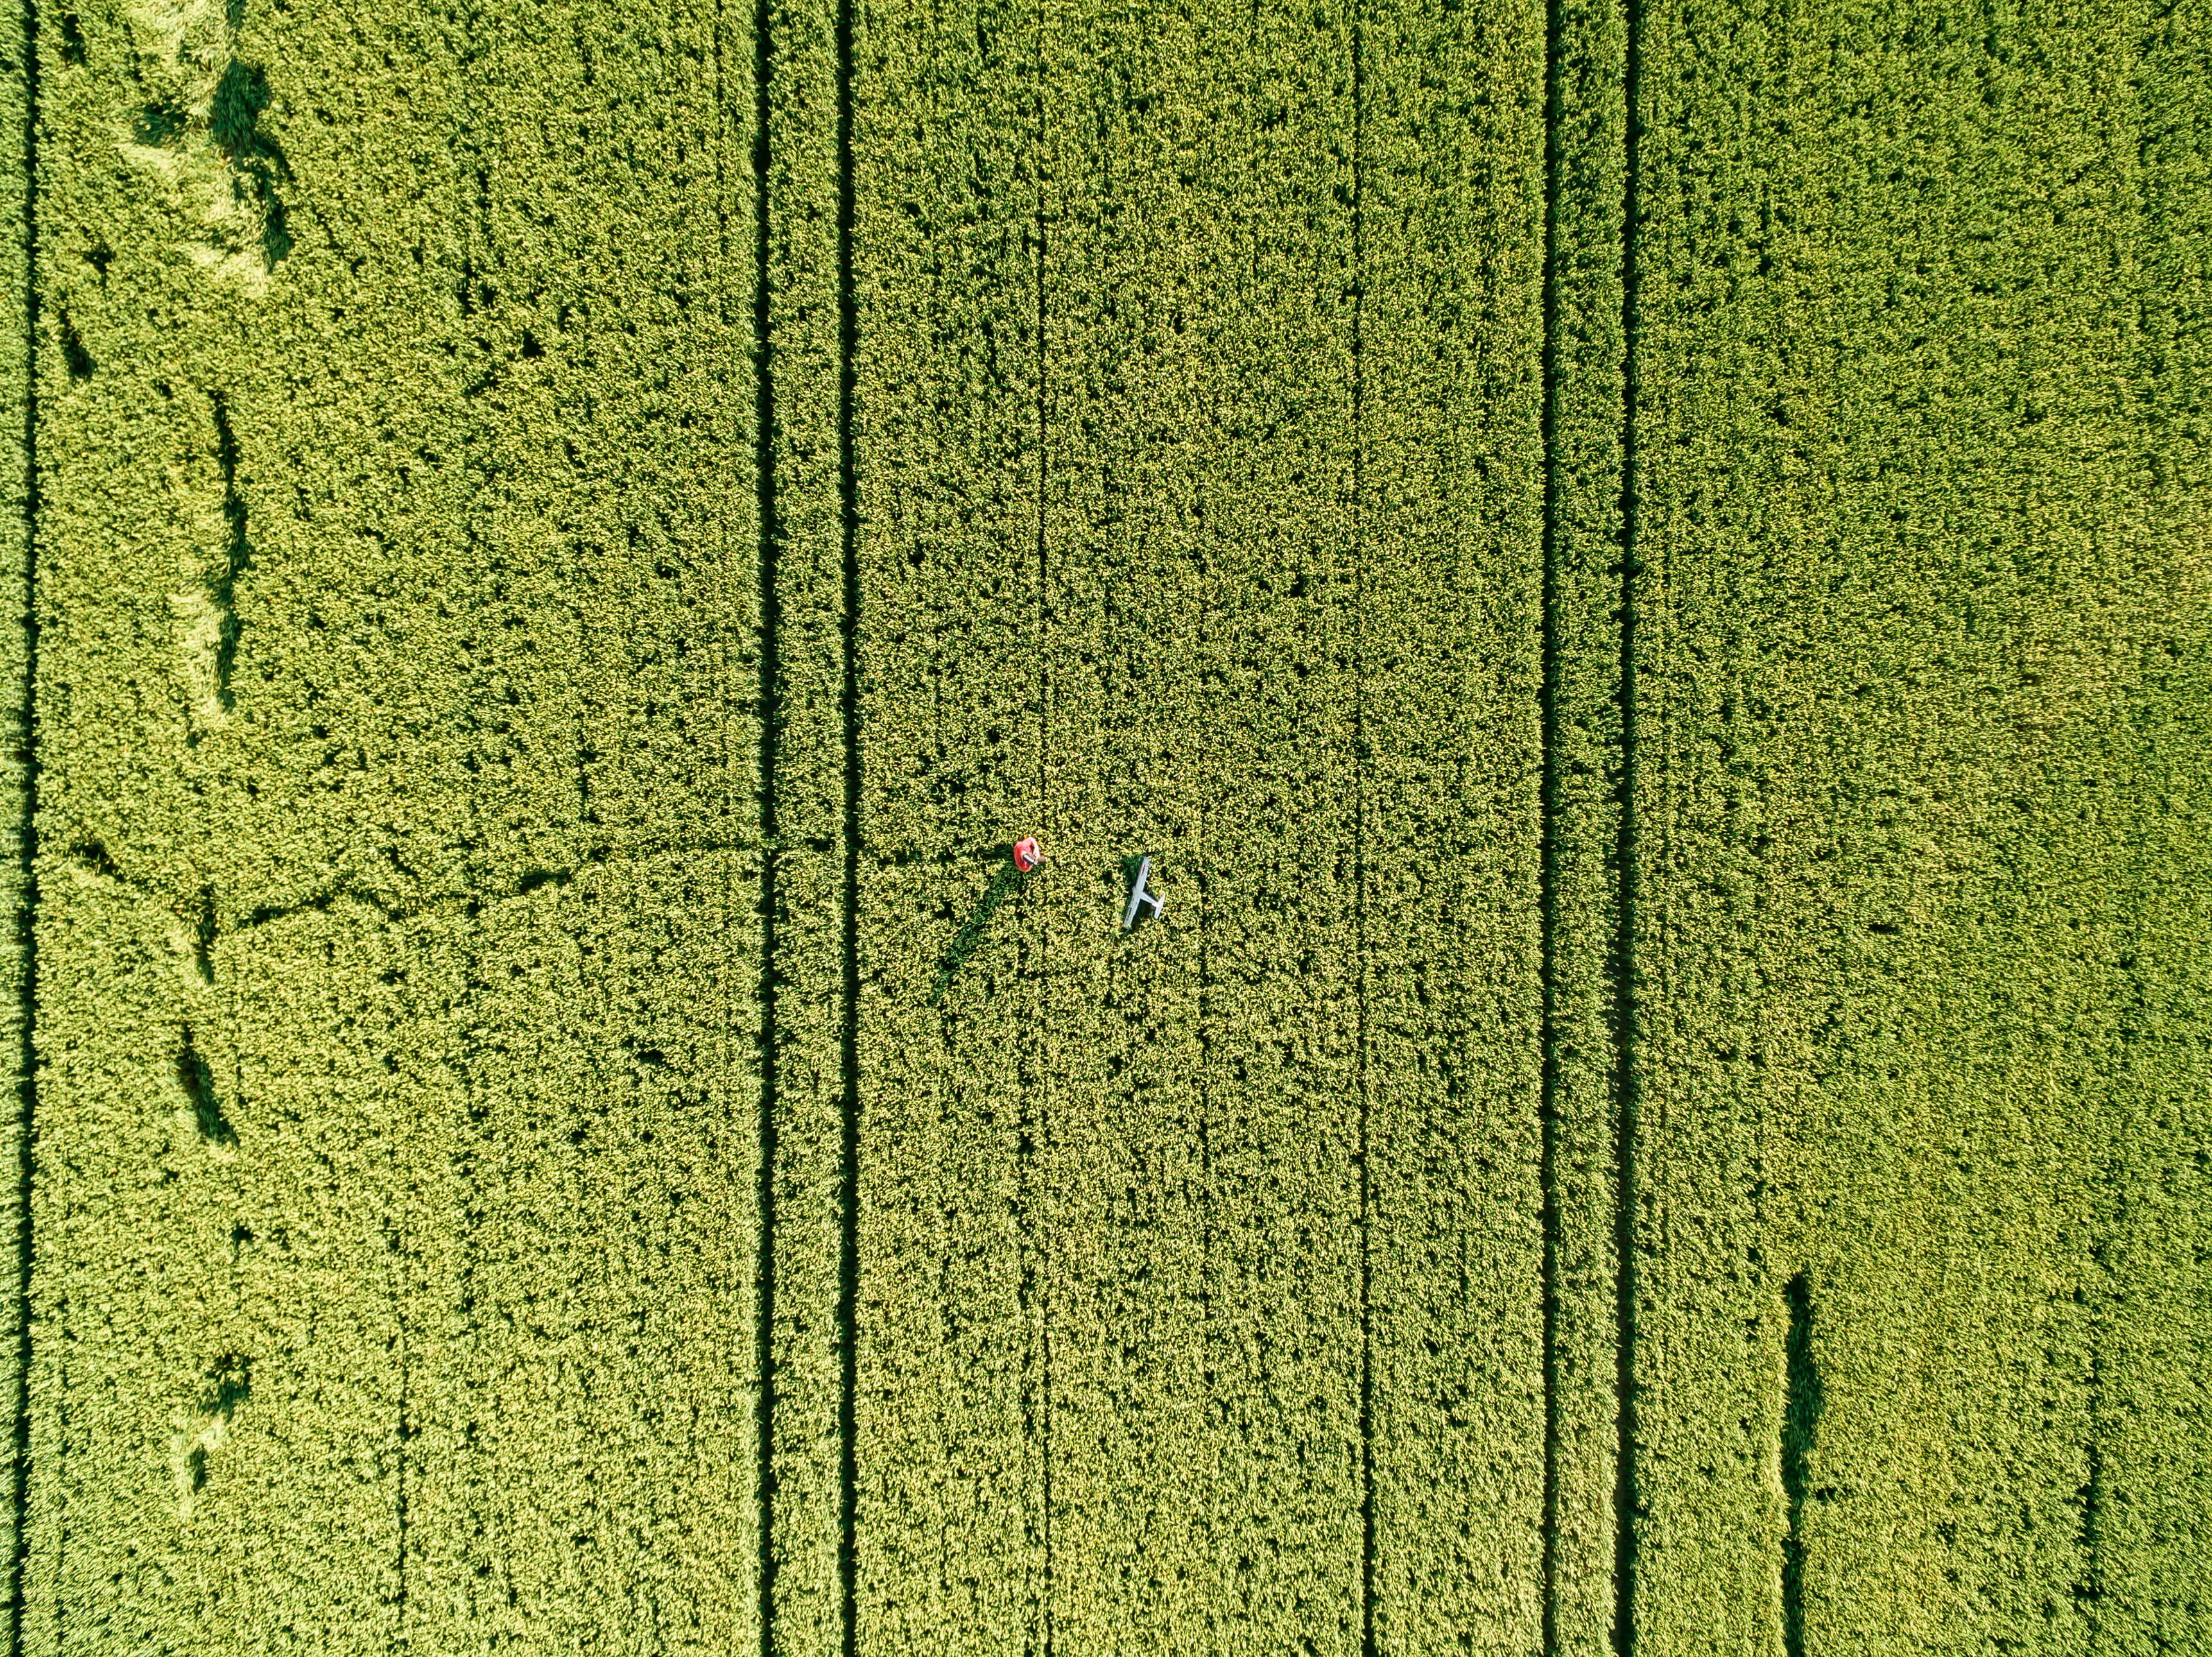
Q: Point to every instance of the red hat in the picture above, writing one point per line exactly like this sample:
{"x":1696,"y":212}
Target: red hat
{"x":1026,"y":855}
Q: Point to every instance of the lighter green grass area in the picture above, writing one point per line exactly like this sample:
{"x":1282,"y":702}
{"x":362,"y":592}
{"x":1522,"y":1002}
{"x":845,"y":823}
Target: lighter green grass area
{"x":551,"y":1129}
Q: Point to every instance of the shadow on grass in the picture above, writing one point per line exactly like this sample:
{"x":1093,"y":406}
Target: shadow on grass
{"x":1004,"y":882}
{"x":1801,"y":1421}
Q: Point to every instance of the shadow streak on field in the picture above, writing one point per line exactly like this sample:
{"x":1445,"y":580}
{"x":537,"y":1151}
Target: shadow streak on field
{"x":770,"y":714}
{"x":25,"y":757}
{"x":257,"y":161}
{"x":1627,"y":1499}
{"x":969,"y":938}
{"x":1800,"y":1419}
{"x":848,"y":943}
{"x":238,"y":556}
{"x":1548,"y":898}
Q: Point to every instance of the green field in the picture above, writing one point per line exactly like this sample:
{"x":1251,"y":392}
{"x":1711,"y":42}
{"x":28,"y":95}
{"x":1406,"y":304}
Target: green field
{"x":1644,"y":574}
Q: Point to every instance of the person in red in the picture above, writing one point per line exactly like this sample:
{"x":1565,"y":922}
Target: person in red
{"x":1026,"y":855}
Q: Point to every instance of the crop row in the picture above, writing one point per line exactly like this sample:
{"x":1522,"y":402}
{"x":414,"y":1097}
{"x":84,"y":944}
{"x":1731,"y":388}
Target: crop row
{"x":393,"y":1222}
{"x":1918,"y":714}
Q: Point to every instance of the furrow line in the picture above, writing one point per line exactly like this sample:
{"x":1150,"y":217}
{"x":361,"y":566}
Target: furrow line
{"x":1626,"y":1500}
{"x":1367,"y":1532}
{"x":848,"y":942}
{"x":770,"y":714}
{"x":25,"y":903}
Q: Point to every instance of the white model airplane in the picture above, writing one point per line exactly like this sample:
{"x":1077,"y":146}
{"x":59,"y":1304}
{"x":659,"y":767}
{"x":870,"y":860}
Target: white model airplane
{"x":1139,"y":898}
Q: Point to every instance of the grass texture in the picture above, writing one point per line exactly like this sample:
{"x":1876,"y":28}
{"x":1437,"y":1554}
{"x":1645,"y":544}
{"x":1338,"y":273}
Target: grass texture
{"x":397,"y":835}
{"x":1172,"y":538}
{"x":1921,"y":895}
{"x":1639,"y":571}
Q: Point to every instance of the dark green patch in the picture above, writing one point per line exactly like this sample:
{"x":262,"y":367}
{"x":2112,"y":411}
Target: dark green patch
{"x":161,"y":123}
{"x":256,"y":159}
{"x":75,"y":357}
{"x":969,"y":938}
{"x":199,"y":1083}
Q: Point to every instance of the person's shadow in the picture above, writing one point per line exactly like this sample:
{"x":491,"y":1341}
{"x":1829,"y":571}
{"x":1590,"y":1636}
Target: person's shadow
{"x":970,"y":935}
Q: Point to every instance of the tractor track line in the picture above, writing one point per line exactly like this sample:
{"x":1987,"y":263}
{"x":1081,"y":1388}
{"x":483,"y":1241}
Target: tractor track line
{"x":1549,"y":812}
{"x":27,"y":845}
{"x":1367,"y":1528}
{"x":1041,"y":1149}
{"x":769,"y":707}
{"x":1627,"y":1497}
{"x":848,"y":710}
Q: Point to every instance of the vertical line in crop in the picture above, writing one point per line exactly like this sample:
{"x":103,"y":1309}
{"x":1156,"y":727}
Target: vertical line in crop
{"x":771,"y":692}
{"x":27,"y":843}
{"x":725,"y":639}
{"x":471,"y":233}
{"x":1034,"y":1155}
{"x":1547,"y":834}
{"x":1801,"y":1415}
{"x":1044,"y":1078}
{"x":2089,"y":1497}
{"x":400,"y":1481}
{"x":1625,"y":1150}
{"x":1359,"y":827}
{"x":848,"y":710}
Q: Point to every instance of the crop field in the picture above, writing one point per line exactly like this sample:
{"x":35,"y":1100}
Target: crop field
{"x":1642,"y":573}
